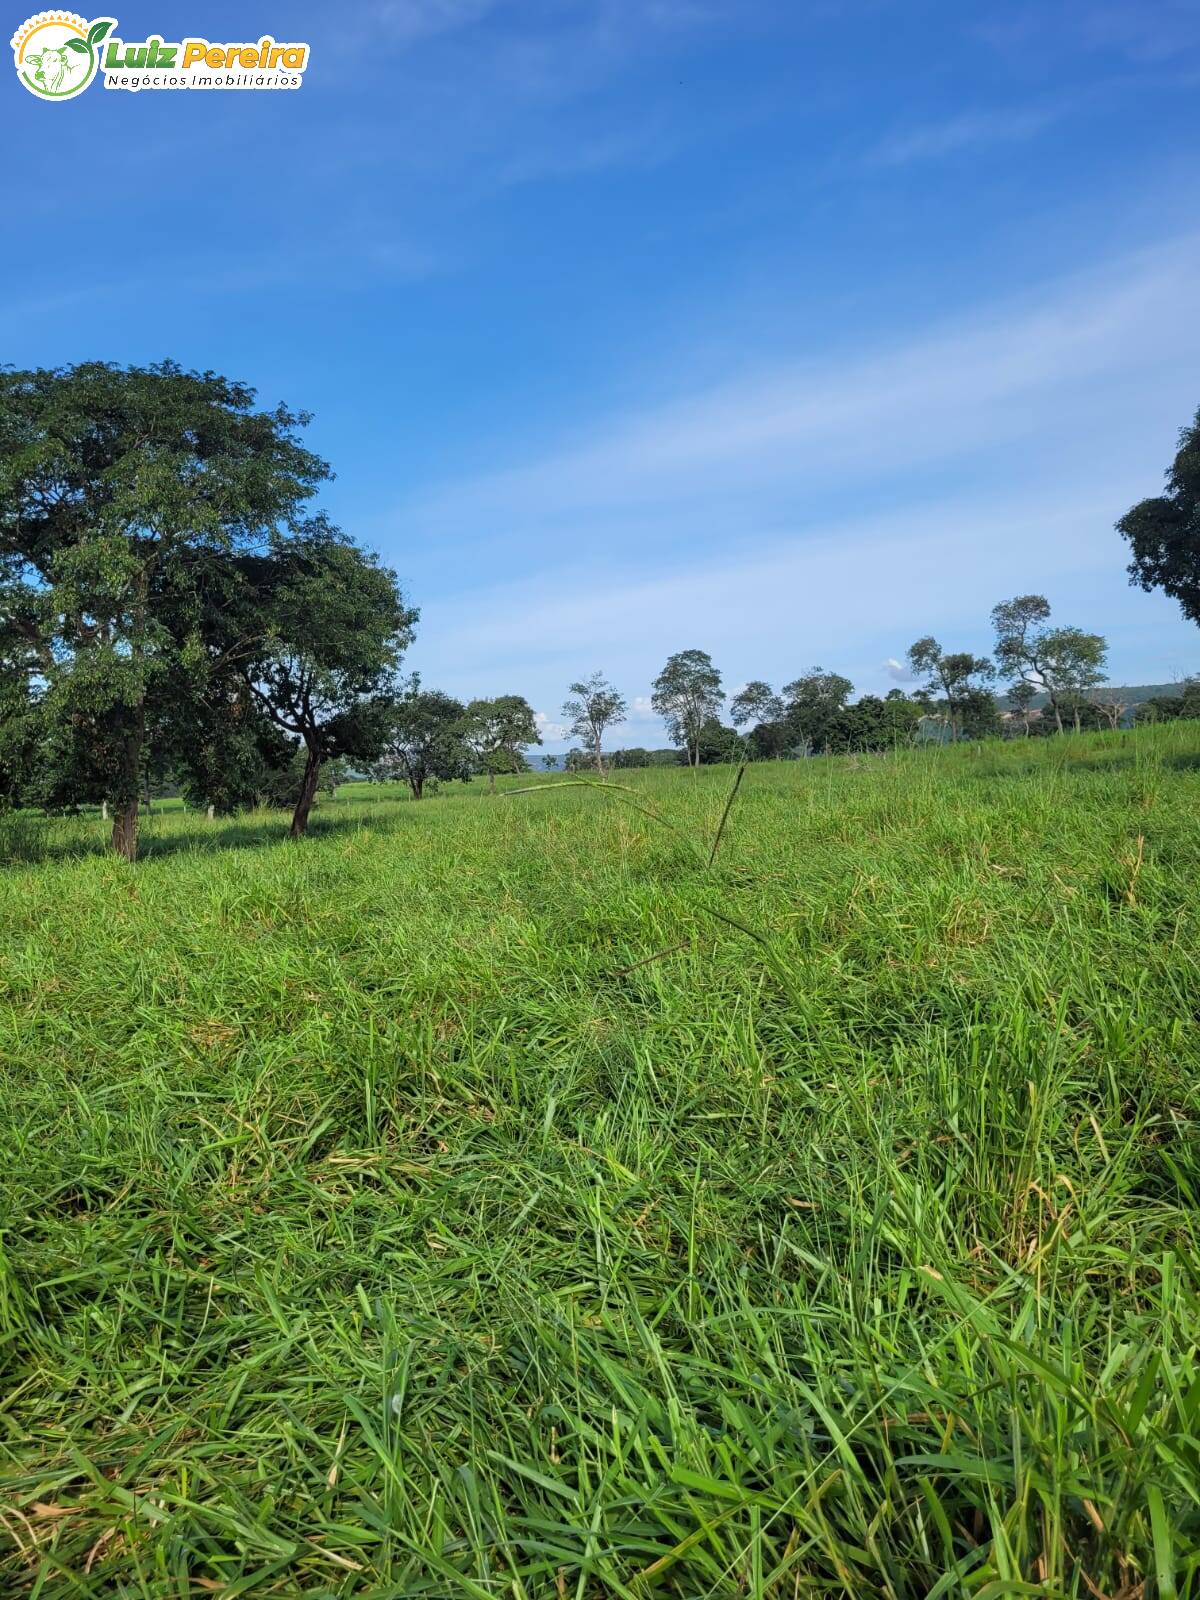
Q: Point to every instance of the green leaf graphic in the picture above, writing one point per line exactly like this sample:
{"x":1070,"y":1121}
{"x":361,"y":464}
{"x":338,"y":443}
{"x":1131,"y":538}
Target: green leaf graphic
{"x":77,"y":44}
{"x":97,"y":31}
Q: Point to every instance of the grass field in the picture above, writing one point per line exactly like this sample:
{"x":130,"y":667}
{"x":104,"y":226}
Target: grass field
{"x":489,"y":1197}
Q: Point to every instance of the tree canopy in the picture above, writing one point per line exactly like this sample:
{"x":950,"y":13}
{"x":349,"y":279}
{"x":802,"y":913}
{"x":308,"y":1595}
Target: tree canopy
{"x":425,"y":739}
{"x":686,"y":694}
{"x":1164,"y":531}
{"x":955,"y":681}
{"x":498,"y":732}
{"x":592,"y":706}
{"x":1063,"y":662}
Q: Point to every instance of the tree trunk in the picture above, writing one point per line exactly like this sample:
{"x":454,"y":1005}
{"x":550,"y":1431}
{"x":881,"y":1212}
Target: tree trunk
{"x":125,"y":829}
{"x":491,"y":780}
{"x":417,"y":785}
{"x":104,"y":811}
{"x":599,"y":759}
{"x":308,"y":793}
{"x":125,"y":804}
{"x":1057,"y":716}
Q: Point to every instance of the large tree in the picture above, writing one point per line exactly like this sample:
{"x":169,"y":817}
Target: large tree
{"x":498,"y":732}
{"x":321,"y":627}
{"x":957,"y":677}
{"x":1063,"y":663}
{"x":592,"y":706}
{"x":424,"y":739}
{"x":1164,"y":532}
{"x":124,"y":495}
{"x":686,"y":693}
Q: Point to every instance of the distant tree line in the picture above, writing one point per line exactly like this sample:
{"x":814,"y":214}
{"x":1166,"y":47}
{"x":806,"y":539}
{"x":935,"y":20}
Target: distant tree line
{"x":815,"y":714}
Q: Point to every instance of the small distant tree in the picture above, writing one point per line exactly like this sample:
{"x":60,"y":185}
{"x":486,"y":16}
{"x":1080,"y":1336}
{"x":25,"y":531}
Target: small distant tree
{"x":1021,"y":697}
{"x":979,"y":714}
{"x":954,"y":678}
{"x":1164,"y":532}
{"x":1109,"y":708}
{"x":874,"y":725}
{"x":594,"y":705}
{"x":686,"y":693}
{"x":757,"y":702}
{"x":498,"y":732}
{"x":717,"y":743}
{"x":813,"y":704}
{"x":549,"y":763}
{"x":424,"y":740}
{"x":635,"y":756}
{"x":1064,"y":663}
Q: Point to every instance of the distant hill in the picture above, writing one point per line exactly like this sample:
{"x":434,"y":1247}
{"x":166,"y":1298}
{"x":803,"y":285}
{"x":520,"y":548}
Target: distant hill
{"x":1132,"y":694}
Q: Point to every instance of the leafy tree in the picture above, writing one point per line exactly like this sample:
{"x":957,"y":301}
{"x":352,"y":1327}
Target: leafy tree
{"x":1164,"y":532}
{"x":757,"y":703}
{"x":874,"y":725}
{"x":322,"y":629}
{"x":958,"y":678}
{"x":812,"y":705}
{"x":716,"y":743}
{"x":1063,"y":662}
{"x":686,"y":693}
{"x":635,"y":756}
{"x":979,"y":714}
{"x":425,"y":739}
{"x":124,"y":494}
{"x":770,"y":741}
{"x":498,"y":732}
{"x":594,"y":705}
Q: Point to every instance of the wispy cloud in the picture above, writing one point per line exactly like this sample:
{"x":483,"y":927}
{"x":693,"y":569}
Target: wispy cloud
{"x":968,"y":131}
{"x":1136,"y":32}
{"x":406,"y":21}
{"x":1008,"y":373}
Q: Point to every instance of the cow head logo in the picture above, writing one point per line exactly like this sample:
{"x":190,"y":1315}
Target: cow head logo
{"x":57,"y":53}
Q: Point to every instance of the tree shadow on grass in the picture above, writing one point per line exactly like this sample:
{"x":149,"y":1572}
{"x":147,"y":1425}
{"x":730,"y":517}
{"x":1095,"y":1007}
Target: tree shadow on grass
{"x":28,"y":840}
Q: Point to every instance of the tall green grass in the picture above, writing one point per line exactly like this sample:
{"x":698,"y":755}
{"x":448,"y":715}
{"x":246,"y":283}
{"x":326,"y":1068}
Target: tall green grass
{"x":491,"y":1197}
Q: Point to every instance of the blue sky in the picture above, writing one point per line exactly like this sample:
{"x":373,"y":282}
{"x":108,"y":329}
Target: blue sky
{"x":791,"y":331}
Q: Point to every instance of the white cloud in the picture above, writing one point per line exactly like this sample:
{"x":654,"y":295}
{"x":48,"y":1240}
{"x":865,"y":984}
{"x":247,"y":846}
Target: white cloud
{"x":898,"y":671}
